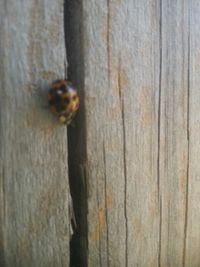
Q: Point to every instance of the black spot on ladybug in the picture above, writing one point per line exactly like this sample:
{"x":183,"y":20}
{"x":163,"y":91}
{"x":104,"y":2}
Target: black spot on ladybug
{"x":63,"y":88}
{"x":67,"y":100}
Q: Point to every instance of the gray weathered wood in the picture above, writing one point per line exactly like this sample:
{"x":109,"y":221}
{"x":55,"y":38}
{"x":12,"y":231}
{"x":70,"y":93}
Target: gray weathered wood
{"x":134,"y":154}
{"x":136,"y":99}
{"x":122,"y":68}
{"x":192,"y":257}
{"x":34,"y":182}
{"x":173,"y":140}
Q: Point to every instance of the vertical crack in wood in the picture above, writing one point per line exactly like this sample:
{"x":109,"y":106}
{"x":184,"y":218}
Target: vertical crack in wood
{"x":3,"y":192}
{"x":124,"y":161}
{"x":3,"y":187}
{"x":99,"y":221}
{"x":77,"y":162}
{"x":168,"y":263}
{"x":160,"y":228}
{"x":158,"y":149}
{"x":106,"y":206}
{"x":125,"y":185}
{"x":108,"y":38}
{"x":119,"y":82}
{"x":188,"y":142}
{"x":99,"y":208}
{"x":2,"y":216}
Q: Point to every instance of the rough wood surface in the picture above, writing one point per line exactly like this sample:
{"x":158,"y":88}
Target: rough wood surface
{"x":174,"y":132}
{"x":192,"y":257}
{"x":33,"y":146}
{"x":122,"y":66}
{"x":141,"y":113}
{"x":134,"y":154}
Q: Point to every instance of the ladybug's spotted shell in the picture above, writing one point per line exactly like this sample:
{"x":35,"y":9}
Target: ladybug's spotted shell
{"x":63,"y":100}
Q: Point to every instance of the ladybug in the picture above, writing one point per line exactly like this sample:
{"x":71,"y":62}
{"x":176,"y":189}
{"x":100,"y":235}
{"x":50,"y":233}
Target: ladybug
{"x":63,"y":100}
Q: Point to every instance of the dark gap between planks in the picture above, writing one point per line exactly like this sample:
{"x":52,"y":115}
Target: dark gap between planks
{"x":77,"y":134}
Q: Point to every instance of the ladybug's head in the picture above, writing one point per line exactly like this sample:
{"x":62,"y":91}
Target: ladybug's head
{"x":72,"y":99}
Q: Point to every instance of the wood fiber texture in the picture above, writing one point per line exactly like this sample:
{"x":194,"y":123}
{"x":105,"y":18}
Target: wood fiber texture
{"x":134,"y":153}
{"x":33,"y":146}
{"x":141,"y":104}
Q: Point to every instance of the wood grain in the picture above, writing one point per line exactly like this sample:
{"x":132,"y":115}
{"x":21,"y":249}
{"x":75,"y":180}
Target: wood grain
{"x":121,"y":99}
{"x":173,"y":141}
{"x":192,"y":257}
{"x":34,"y":182}
{"x":134,"y":153}
{"x":136,"y":90}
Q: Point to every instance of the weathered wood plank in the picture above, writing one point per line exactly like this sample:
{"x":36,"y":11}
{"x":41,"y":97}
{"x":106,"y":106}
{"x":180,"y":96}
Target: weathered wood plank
{"x":173,"y":147}
{"x":34,"y":181}
{"x":193,"y":214}
{"x":139,"y":75}
{"x":121,"y":53}
{"x":104,"y":141}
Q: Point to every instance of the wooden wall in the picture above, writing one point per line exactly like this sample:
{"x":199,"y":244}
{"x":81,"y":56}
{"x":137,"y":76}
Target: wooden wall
{"x":134,"y":152}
